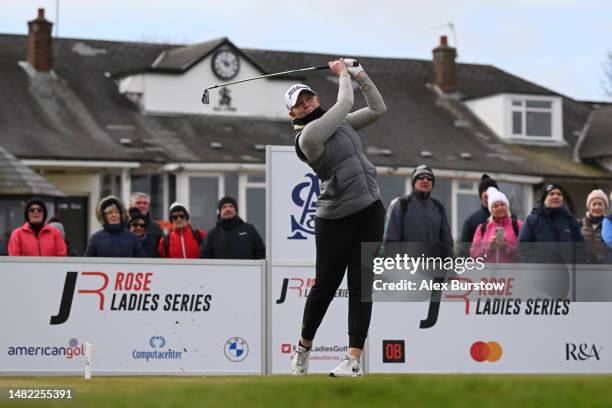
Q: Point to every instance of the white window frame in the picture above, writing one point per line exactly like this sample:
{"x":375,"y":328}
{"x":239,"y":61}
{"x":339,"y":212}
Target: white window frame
{"x":243,"y":185}
{"x":556,"y":117}
{"x":455,"y":191}
{"x":182,"y":185}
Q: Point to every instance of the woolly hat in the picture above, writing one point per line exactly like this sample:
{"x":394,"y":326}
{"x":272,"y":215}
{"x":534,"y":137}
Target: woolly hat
{"x":420,"y":170}
{"x":495,"y":196}
{"x":548,"y":187}
{"x":226,"y":200}
{"x":598,"y":194}
{"x":135,"y":214}
{"x":32,"y":201}
{"x":178,"y":207}
{"x":485,"y":183}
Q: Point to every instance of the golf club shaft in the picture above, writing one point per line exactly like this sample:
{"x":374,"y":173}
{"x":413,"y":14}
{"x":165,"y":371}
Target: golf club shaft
{"x":356,"y":63}
{"x":205,"y":97}
{"x":270,"y":75}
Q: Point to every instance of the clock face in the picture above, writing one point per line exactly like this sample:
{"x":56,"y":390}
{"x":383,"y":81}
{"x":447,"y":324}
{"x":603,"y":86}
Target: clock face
{"x":225,"y":64}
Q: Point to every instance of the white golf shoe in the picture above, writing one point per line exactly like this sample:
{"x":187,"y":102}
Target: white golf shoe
{"x":349,"y":367}
{"x":299,"y":364}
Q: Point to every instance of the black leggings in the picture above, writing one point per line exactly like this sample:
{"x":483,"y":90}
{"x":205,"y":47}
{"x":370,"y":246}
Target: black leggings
{"x":338,"y":246}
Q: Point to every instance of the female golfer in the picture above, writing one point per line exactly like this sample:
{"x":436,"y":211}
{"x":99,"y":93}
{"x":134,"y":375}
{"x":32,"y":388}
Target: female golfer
{"x":349,"y":209}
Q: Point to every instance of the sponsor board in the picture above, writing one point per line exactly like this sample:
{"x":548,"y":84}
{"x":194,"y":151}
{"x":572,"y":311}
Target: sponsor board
{"x":290,"y":287}
{"x":142,"y":316}
{"x":493,"y":331}
{"x":292,"y":194}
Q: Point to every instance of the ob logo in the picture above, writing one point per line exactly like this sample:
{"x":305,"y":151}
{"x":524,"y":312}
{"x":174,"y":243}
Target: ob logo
{"x":582,"y":352}
{"x":157,"y":342}
{"x":481,"y":351}
{"x":304,"y":223}
{"x":394,"y":351}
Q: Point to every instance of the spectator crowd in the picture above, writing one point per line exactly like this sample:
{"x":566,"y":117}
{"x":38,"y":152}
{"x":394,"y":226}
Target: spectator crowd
{"x":131,"y":233}
{"x":491,"y":232}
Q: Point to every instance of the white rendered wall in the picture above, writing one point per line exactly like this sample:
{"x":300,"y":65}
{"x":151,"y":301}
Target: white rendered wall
{"x":86,"y":185}
{"x":491,"y":111}
{"x":182,"y":94}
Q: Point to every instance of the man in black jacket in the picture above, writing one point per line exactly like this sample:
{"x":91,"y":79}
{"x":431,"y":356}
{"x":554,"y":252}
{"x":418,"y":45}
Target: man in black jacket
{"x":482,"y":214}
{"x":232,"y":238}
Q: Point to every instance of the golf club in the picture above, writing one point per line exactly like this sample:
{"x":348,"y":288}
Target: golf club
{"x":205,"y":97}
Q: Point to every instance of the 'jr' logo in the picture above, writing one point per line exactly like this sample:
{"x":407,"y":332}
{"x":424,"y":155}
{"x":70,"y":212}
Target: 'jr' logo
{"x":308,"y":205}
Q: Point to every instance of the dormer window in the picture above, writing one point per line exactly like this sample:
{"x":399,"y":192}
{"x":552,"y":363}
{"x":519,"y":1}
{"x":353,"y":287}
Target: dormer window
{"x":523,"y":119}
{"x":531,"y":118}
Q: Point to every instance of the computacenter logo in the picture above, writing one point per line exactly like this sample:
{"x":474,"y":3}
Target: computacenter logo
{"x":157,"y":353}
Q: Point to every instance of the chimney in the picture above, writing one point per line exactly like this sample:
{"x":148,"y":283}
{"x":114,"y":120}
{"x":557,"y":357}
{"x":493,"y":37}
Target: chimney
{"x":40,"y":55}
{"x":444,"y":67}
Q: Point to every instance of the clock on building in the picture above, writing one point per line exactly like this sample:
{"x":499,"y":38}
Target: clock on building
{"x":225,"y":64}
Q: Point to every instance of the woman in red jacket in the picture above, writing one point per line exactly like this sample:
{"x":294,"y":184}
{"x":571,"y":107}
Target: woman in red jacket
{"x":35,"y":237}
{"x":183,"y":241}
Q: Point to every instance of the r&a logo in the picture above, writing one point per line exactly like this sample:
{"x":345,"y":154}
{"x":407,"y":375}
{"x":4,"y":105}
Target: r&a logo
{"x":582,"y":352}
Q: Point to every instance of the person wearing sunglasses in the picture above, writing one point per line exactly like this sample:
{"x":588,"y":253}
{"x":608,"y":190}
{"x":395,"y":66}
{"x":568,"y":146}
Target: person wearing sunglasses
{"x":183,"y":241}
{"x":139,"y":226}
{"x":35,"y":237}
{"x":114,"y":240}
{"x":419,"y":218}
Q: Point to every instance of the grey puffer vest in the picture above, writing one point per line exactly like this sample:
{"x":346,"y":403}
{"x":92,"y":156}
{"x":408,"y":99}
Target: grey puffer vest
{"x":348,"y":179}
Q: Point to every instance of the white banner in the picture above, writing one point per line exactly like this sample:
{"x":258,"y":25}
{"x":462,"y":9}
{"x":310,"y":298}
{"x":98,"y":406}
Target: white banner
{"x":142,"y":317}
{"x":290,"y":286}
{"x":292,"y":194}
{"x":498,"y":332}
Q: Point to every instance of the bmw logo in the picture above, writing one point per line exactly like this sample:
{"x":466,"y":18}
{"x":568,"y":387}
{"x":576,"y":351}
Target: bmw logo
{"x":236,"y":349}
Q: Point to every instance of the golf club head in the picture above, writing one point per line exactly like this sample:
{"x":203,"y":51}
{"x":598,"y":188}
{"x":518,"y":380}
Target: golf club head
{"x":205,"y":99}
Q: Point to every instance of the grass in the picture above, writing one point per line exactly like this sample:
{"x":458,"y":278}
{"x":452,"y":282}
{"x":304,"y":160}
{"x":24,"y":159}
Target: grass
{"x":321,"y":391}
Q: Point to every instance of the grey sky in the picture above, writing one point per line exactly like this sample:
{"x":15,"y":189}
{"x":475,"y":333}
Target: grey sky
{"x":560,"y":44}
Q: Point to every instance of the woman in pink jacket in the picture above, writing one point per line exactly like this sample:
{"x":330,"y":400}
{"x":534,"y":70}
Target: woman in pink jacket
{"x":35,"y":237}
{"x":497,"y":240}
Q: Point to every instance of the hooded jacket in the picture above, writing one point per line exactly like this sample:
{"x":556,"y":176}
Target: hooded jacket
{"x":546,"y":225}
{"x":45,"y":241}
{"x":25,"y":242}
{"x":424,"y":221}
{"x":234,"y":239}
{"x":114,"y":240}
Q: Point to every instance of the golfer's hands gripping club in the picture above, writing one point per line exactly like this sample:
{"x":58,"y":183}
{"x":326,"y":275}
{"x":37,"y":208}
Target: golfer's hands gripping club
{"x":353,"y":67}
{"x":338,"y":67}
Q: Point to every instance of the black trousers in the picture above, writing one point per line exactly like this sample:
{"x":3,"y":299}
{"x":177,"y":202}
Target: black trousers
{"x":338,"y":245}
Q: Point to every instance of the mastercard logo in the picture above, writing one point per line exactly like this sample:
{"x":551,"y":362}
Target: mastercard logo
{"x":481,"y":351}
